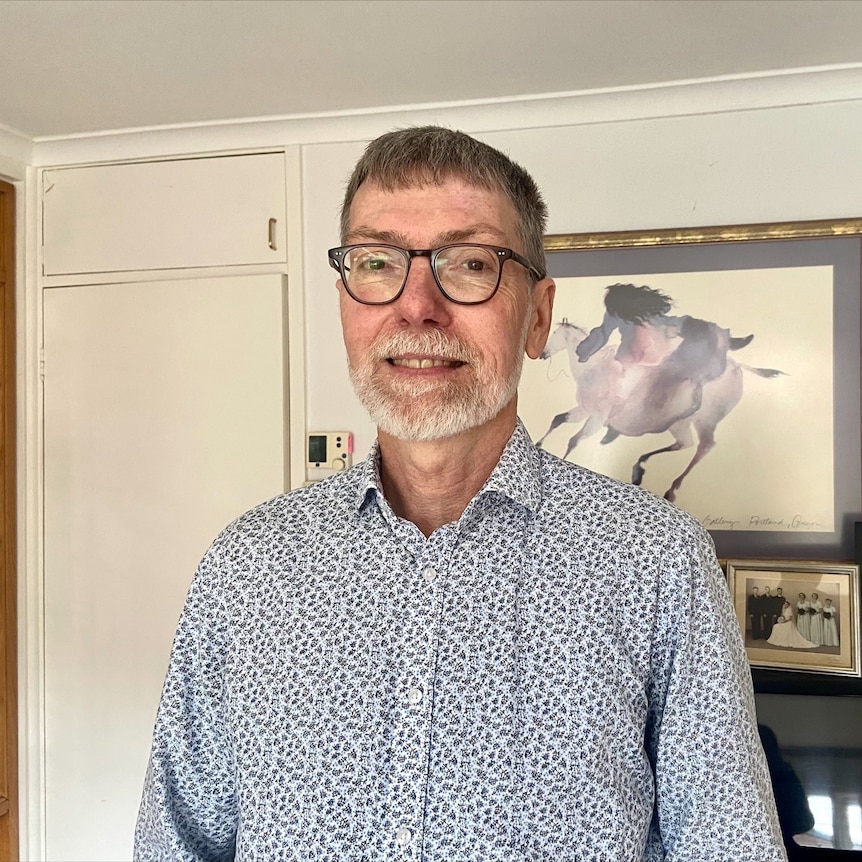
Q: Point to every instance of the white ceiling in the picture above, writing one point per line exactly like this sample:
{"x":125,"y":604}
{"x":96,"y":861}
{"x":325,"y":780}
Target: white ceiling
{"x":81,"y":66}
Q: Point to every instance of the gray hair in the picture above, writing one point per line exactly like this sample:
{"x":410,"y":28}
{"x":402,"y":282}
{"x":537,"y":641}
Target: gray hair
{"x":432,"y":154}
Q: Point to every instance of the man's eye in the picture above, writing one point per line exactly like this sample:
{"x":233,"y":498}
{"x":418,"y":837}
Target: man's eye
{"x":373,"y":264}
{"x":469,"y":261}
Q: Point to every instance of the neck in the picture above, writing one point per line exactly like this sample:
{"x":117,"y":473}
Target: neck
{"x":431,"y":482}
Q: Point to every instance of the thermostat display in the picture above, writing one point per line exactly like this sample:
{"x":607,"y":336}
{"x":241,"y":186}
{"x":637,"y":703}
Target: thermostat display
{"x":331,"y":450}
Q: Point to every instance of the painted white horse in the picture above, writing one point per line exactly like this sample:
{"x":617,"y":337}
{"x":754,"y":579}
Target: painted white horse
{"x":653,"y":392}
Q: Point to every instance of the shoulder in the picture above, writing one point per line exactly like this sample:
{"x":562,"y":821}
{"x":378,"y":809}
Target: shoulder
{"x":290,"y":520}
{"x":614,"y":527}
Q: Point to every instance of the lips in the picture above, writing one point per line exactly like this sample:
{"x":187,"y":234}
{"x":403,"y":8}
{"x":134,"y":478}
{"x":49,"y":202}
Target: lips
{"x":427,"y":350}
{"x":414,"y":362}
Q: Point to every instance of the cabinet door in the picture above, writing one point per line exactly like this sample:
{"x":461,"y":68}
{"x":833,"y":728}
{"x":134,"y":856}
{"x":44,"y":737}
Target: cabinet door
{"x":164,"y":420}
{"x":203,"y":212}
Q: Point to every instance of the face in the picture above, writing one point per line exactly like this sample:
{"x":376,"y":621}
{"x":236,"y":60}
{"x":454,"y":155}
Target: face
{"x":424,"y":367}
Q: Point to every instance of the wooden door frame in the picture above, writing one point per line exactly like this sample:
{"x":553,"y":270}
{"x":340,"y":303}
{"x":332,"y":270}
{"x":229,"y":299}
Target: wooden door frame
{"x":8,"y":537}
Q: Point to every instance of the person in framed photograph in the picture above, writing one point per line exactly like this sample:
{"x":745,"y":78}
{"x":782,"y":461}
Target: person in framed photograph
{"x":768,"y":611}
{"x":778,"y":601}
{"x":803,"y":621}
{"x":784,"y":631}
{"x":815,"y":619}
{"x":774,"y":606}
{"x":830,"y":624}
{"x":754,"y":609}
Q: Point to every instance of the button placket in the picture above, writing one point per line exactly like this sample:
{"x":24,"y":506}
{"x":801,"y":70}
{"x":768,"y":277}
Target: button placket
{"x":412,"y":729}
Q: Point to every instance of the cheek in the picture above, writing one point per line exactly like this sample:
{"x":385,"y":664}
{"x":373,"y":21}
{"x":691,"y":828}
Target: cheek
{"x":351,"y":331}
{"x":360,"y":326}
{"x":506,"y":318}
{"x":501,"y":345}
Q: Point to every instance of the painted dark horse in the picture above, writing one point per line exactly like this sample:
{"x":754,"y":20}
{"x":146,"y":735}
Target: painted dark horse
{"x":667,"y":373}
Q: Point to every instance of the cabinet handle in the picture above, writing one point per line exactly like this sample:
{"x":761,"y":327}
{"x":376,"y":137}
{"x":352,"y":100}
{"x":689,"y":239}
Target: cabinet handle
{"x":270,"y":234}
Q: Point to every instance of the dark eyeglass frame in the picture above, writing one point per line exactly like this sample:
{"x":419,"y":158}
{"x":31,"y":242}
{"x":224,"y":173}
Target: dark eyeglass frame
{"x":337,"y":256}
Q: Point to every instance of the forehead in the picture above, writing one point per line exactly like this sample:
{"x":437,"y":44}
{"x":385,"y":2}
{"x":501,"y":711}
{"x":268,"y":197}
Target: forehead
{"x":429,"y":209}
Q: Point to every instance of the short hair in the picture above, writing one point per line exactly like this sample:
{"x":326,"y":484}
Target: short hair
{"x":431,"y":155}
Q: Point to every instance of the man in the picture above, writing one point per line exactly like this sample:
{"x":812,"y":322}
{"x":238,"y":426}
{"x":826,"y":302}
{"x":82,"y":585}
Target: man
{"x":755,"y":614}
{"x":770,"y":609}
{"x":463,"y":648}
{"x":776,"y":611}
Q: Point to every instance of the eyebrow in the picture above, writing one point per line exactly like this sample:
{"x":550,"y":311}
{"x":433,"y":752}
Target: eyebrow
{"x":445,"y":238}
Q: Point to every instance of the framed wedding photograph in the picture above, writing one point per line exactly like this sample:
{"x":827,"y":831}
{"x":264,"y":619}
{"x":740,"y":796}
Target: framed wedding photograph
{"x":718,"y":367}
{"x":799,"y":616}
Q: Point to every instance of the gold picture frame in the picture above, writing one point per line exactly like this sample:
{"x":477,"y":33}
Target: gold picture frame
{"x":579,"y":260}
{"x":820,"y":228}
{"x":799,"y":616}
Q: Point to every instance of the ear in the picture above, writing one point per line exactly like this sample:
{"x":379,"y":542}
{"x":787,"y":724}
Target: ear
{"x":540,"y":322}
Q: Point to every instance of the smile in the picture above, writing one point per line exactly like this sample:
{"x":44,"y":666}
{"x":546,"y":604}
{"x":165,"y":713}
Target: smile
{"x":424,"y":363}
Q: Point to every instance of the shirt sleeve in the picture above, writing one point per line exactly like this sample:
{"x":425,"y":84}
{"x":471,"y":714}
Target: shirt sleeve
{"x":188,"y":811}
{"x":714,"y":800}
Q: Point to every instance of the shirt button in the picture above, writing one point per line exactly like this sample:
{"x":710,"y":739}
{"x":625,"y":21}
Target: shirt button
{"x":414,"y":696}
{"x":403,"y":836}
{"x":428,"y":574}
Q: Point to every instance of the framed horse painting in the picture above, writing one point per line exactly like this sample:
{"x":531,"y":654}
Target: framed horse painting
{"x":717,"y":367}
{"x":798,"y":615}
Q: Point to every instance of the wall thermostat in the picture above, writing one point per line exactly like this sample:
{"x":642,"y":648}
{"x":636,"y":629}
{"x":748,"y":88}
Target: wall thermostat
{"x":330,"y":450}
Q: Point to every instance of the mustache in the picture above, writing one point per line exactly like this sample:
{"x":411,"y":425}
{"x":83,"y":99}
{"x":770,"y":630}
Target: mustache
{"x":429,"y":341}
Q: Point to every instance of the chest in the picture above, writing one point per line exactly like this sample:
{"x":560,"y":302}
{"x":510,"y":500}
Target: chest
{"x":482,"y":646}
{"x":476,"y":693}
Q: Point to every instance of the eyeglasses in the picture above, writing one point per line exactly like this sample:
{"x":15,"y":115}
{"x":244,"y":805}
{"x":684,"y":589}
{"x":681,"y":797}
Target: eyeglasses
{"x":375,"y":274}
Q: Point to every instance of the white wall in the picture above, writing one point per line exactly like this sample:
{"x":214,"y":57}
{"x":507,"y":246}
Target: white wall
{"x":776,"y":164}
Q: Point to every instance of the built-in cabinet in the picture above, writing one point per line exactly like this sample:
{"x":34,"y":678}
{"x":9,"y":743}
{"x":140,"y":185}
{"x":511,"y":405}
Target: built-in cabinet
{"x":204,"y":212}
{"x":165,"y":408}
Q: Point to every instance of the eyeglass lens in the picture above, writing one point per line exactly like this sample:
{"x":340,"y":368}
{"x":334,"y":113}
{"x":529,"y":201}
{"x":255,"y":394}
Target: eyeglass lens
{"x":377,"y":273}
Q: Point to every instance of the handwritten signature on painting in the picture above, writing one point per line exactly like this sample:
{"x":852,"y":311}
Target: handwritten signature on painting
{"x":794,"y":522}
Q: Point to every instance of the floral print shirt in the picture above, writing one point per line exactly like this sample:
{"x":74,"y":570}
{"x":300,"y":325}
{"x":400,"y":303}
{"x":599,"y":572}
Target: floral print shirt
{"x":558,"y":675}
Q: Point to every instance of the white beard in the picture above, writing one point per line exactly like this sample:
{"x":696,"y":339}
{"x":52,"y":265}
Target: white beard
{"x":431,"y":409}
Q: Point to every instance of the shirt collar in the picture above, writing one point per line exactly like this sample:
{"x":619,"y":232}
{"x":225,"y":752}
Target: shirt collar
{"x":369,"y":484}
{"x":518,"y":472}
{"x":516,"y":476}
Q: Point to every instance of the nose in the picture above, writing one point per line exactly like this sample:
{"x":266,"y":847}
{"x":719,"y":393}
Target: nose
{"x":422,"y":302}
